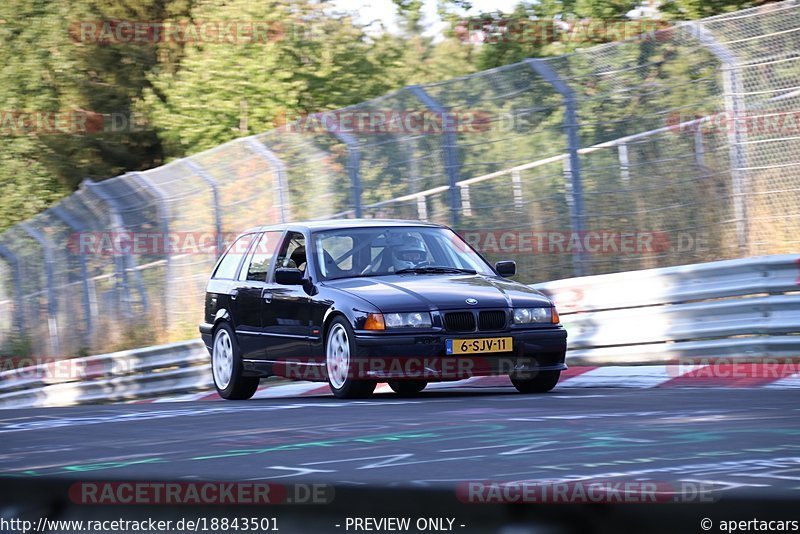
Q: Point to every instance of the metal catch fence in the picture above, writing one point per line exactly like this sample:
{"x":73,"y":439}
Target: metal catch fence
{"x":681,"y":146}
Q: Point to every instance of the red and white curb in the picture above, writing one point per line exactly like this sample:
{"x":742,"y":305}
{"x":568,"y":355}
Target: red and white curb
{"x":642,"y":376}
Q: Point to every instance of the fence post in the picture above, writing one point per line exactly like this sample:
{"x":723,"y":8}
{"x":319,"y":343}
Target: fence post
{"x":127,"y":263}
{"x":422,"y":208}
{"x":282,"y":183}
{"x":466,"y":201}
{"x":452,"y":168}
{"x":516,"y":186}
{"x":52,"y":298}
{"x":573,"y":164}
{"x":19,"y":306}
{"x":699,"y":151}
{"x":212,"y":184}
{"x":624,"y":164}
{"x":70,"y":221}
{"x":164,"y":218}
{"x":735,"y":111}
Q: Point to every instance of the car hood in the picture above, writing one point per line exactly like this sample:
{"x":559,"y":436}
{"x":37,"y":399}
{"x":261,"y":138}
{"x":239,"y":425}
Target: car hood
{"x":443,"y":292}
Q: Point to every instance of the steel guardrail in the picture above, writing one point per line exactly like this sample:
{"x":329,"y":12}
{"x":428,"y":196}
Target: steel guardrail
{"x":743,"y":310}
{"x":124,"y":375}
{"x":747,"y":310}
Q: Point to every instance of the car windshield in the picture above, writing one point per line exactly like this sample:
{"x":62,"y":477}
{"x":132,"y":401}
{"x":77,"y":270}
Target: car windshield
{"x":354,"y":252}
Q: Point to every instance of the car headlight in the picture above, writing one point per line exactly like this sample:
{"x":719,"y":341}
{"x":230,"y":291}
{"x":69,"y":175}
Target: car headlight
{"x":533,"y":315}
{"x":408,"y":320}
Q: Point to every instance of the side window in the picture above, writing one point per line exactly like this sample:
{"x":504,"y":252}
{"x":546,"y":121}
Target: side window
{"x":258,"y":264}
{"x":230,"y":261}
{"x":331,"y":247}
{"x":293,"y":252}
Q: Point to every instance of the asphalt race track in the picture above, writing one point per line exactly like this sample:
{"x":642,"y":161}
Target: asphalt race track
{"x":742,"y":441}
{"x":393,"y":457}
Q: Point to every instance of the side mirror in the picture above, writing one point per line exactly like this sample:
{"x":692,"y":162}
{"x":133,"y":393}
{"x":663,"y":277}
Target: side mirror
{"x":288,"y":277}
{"x":506,"y":268}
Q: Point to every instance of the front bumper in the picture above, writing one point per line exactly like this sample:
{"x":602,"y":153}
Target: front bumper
{"x":422,"y":356}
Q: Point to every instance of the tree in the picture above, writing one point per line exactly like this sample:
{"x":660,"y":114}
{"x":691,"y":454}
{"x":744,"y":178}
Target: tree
{"x":67,"y":99}
{"x":312,"y":62}
{"x":696,"y":9}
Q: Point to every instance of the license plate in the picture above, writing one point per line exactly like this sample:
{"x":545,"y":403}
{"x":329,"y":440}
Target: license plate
{"x":477,"y":346}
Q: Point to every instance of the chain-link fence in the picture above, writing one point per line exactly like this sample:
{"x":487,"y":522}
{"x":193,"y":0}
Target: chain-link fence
{"x":677,"y":147}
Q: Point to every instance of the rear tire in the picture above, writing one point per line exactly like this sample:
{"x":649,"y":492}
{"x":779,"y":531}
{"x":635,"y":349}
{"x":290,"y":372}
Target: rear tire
{"x":542,"y":382}
{"x":226,"y":367}
{"x":339,"y":350}
{"x":407,"y":387}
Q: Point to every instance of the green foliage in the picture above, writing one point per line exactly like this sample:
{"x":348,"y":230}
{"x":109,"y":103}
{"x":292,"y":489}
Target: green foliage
{"x":320,"y":62}
{"x":16,"y":345}
{"x":411,"y":13}
{"x":696,"y":9}
{"x":178,"y":99}
{"x":48,"y":72}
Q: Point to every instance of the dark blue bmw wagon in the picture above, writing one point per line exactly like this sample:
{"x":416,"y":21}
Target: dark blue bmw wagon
{"x":357,"y":302}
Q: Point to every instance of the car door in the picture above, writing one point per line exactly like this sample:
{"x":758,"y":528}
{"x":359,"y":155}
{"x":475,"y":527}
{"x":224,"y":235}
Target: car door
{"x":223,"y":284}
{"x":248,"y":295}
{"x":287,"y":313}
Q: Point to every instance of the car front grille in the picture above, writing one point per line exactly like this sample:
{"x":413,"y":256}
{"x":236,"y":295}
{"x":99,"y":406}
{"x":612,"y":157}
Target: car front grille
{"x":491,"y":320}
{"x":464,"y":321}
{"x":459,"y":321}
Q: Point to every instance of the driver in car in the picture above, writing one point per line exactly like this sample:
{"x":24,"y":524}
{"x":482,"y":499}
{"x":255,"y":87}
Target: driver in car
{"x":409,"y":254}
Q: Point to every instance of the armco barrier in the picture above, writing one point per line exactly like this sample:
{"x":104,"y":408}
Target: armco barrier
{"x":117,"y":376}
{"x":745,"y":310}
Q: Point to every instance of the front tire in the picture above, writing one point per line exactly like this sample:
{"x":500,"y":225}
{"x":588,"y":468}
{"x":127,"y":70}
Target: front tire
{"x":226,"y":367}
{"x":542,"y":382}
{"x":407,"y":387}
{"x":339,"y":351}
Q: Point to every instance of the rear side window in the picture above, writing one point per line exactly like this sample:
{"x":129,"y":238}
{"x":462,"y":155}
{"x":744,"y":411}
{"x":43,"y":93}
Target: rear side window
{"x":230,"y":262}
{"x":293,"y":252}
{"x":258,"y":266}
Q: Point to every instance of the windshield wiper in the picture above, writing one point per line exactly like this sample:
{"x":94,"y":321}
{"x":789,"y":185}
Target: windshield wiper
{"x":433,"y":269}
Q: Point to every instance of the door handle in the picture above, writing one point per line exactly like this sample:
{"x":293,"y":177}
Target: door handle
{"x":267,"y":296}
{"x":234,"y":294}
